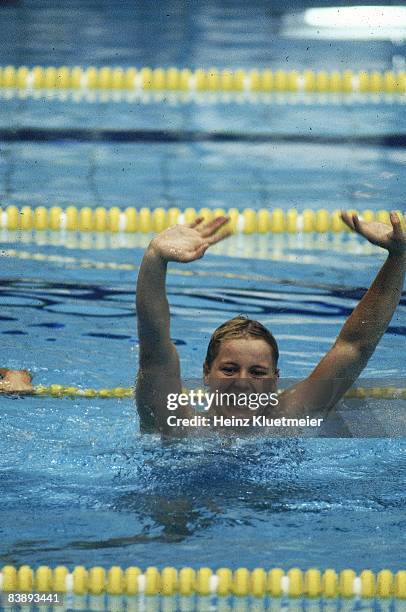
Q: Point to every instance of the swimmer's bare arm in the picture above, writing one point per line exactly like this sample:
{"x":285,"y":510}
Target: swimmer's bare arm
{"x":159,"y":370}
{"x":363,"y":329}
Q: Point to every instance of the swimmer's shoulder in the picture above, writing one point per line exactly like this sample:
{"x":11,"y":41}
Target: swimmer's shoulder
{"x":294,"y":405}
{"x":180,"y":426}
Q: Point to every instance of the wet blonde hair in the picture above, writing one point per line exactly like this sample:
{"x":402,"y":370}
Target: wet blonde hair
{"x":239,"y":327}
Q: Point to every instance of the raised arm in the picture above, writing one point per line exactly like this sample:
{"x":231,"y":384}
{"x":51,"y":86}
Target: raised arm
{"x":365,"y":326}
{"x":159,"y":370}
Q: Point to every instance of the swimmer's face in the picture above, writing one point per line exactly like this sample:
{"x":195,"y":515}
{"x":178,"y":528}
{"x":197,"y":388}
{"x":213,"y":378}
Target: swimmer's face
{"x":243,"y":366}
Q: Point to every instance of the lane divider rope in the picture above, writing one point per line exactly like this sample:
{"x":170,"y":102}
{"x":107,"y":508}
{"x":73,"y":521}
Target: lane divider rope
{"x":56,"y":390}
{"x":211,"y":80}
{"x":205,"y":582}
{"x":145,"y":220}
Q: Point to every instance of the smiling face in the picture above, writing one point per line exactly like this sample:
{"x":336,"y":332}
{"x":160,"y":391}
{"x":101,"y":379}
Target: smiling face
{"x":243,"y":366}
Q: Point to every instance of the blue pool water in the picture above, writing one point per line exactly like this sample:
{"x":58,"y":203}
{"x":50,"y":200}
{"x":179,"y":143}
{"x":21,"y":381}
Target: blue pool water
{"x":79,"y":484}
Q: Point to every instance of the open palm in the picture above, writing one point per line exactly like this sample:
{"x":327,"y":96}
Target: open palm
{"x":186,"y":243}
{"x":391,"y":238}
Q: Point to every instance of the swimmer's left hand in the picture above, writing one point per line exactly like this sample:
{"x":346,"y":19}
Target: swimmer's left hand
{"x":393,"y":239}
{"x":15,"y":381}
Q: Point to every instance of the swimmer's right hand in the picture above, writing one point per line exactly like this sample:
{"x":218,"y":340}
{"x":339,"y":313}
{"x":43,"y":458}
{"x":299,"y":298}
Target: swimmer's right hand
{"x":186,"y":243}
{"x":15,"y":381}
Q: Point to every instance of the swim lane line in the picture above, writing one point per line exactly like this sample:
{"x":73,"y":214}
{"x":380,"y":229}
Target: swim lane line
{"x":56,"y":390}
{"x":186,"y":581}
{"x":201,"y":80}
{"x":145,"y":220}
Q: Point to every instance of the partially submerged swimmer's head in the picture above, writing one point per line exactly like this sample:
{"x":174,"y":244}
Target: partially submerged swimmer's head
{"x":242,"y":359}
